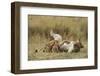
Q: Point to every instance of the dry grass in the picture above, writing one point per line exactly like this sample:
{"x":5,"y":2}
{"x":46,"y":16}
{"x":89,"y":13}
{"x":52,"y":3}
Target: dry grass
{"x":69,"y":27}
{"x":63,"y":55}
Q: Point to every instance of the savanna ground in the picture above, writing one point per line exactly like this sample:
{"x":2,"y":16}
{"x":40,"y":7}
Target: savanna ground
{"x":70,"y":28}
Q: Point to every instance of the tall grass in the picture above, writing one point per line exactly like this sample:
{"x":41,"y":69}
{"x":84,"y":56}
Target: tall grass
{"x":65,"y":26}
{"x":68,"y":27}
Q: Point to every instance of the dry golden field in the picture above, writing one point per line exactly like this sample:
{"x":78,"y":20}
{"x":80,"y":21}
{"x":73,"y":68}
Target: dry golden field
{"x":70,"y":28}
